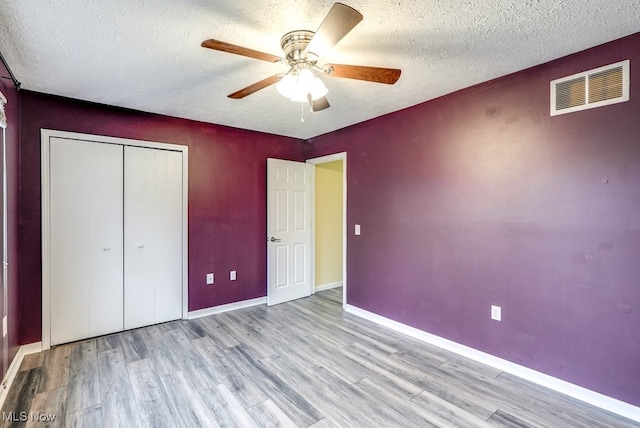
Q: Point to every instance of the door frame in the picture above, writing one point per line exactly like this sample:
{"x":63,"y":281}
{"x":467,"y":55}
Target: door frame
{"x":5,"y":243}
{"x":45,"y":136}
{"x":317,"y":161}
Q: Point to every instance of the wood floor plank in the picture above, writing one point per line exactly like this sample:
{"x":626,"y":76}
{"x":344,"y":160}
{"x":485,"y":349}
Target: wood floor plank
{"x":19,"y":403}
{"x":192,"y":329}
{"x":324,"y":423}
{"x":232,"y":371}
{"x":151,"y":400}
{"x":468,"y":368}
{"x":285,"y":396}
{"x":444,"y":413}
{"x":330,"y":399}
{"x":152,"y":337}
{"x":108,"y":342}
{"x":337,"y":400}
{"x":186,"y":403}
{"x":227,"y":409}
{"x":250,"y":337}
{"x":458,"y":391}
{"x":268,"y":415}
{"x":314,"y":351}
{"x":217,"y":331}
{"x":84,"y":382}
{"x":133,"y":345}
{"x":87,"y":417}
{"x":505,"y":396}
{"x":386,"y":410}
{"x":553,"y":408}
{"x":165,"y":357}
{"x":407,"y":408}
{"x":55,"y":368}
{"x":49,"y":404}
{"x":32,"y":361}
{"x":191,"y":361}
{"x":118,"y":403}
{"x":504,"y":419}
{"x":214,"y":357}
{"x":400,"y":384}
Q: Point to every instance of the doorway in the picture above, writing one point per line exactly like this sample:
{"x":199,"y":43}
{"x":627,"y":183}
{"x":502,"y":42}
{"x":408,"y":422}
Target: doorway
{"x":329,"y":217}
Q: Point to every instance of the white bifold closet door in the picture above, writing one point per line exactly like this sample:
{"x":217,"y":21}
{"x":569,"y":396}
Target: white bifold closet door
{"x":86,"y":239}
{"x":152,"y":236}
{"x":116,"y":238}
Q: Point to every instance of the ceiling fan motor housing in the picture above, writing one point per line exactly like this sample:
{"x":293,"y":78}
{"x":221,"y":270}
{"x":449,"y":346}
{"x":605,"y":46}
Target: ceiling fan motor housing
{"x":294,"y":44}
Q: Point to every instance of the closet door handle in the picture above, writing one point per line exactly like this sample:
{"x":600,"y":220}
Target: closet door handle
{"x":106,"y":248}
{"x":140,"y":246}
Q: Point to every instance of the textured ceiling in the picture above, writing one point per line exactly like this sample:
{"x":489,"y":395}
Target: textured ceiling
{"x":146,"y":55}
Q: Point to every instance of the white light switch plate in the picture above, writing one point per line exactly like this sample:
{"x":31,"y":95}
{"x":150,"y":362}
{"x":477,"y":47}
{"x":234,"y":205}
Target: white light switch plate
{"x":357,"y":229}
{"x":496,"y":313}
{"x":209,"y":278}
{"x":232,"y":275}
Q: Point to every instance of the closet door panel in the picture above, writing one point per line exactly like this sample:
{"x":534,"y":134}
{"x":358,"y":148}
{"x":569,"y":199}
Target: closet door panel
{"x":86,"y":269}
{"x":153,"y":236}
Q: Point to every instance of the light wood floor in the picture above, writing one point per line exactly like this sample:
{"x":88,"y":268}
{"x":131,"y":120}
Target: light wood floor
{"x":299,"y":364}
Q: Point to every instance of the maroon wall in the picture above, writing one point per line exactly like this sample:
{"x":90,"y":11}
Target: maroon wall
{"x":13,"y":146}
{"x":481,"y":198}
{"x":227,"y":196}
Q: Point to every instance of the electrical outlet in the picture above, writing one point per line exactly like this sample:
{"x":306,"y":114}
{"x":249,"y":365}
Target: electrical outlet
{"x":496,"y":313}
{"x":209,"y":278}
{"x":232,"y":275}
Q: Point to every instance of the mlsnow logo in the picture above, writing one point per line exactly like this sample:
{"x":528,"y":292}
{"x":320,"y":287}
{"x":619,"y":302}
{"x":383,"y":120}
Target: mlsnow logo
{"x":27,"y":416}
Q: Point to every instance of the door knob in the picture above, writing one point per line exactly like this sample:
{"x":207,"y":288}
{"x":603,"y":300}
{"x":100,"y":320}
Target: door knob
{"x":273,"y":239}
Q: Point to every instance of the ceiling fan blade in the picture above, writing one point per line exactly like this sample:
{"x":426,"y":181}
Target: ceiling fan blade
{"x":339,"y":21}
{"x":255,"y":87}
{"x":239,"y":50}
{"x":319,"y":104}
{"x":361,"y":72}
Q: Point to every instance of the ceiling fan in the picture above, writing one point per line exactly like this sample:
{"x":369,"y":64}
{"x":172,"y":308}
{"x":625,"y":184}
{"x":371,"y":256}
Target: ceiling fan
{"x":303,"y":49}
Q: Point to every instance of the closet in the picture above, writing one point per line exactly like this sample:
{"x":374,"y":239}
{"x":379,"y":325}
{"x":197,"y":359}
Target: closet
{"x":114,"y":231}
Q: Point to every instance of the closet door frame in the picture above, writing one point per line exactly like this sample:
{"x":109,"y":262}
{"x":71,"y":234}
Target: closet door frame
{"x":45,"y":136}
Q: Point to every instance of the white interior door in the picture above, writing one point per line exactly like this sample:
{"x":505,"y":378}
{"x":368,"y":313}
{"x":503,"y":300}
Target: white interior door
{"x":153,"y":236}
{"x":86,"y":263}
{"x":288,"y":231}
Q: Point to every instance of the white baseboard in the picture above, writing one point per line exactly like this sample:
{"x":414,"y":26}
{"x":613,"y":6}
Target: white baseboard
{"x":328,"y":286}
{"x":591,"y":397}
{"x":12,"y":371}
{"x":226,"y":308}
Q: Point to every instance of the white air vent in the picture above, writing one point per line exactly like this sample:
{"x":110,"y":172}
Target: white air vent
{"x":590,"y":89}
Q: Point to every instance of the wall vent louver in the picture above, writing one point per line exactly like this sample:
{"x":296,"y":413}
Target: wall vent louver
{"x":594,"y":88}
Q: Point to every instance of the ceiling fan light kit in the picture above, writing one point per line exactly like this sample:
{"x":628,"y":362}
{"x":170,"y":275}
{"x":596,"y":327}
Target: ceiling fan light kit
{"x":303,"y":49}
{"x":299,"y":84}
